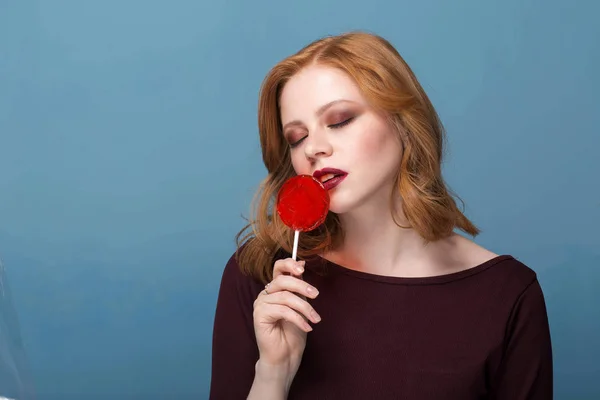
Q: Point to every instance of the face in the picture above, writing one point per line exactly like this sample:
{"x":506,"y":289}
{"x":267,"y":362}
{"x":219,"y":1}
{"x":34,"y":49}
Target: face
{"x":328,"y":124}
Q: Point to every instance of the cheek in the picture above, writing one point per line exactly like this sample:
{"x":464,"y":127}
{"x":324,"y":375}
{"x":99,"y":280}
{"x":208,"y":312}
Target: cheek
{"x":378,"y":144}
{"x":300,"y":163}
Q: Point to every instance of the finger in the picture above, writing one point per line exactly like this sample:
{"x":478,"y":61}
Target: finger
{"x":295,"y":303}
{"x":288,"y":266}
{"x":272,"y":313}
{"x":292,"y":284}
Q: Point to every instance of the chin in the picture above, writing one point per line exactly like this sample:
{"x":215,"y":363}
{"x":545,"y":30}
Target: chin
{"x":346,"y":201}
{"x":340,"y":204}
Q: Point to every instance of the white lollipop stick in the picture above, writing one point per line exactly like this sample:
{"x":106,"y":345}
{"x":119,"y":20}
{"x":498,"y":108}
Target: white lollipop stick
{"x":295,"y":250}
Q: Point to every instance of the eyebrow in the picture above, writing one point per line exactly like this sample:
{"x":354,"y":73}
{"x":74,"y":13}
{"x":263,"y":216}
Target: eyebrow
{"x":319,"y":112}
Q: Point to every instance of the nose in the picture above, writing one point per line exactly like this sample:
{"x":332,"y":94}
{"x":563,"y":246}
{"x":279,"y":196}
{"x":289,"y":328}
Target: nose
{"x":317,"y":146}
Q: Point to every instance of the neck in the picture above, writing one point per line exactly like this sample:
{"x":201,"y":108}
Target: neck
{"x":374,"y":243}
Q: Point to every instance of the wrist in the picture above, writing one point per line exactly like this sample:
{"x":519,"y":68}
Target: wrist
{"x":280,"y":376}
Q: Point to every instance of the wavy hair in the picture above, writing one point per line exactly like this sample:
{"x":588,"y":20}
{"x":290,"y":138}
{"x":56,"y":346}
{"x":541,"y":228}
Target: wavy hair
{"x":390,"y":86}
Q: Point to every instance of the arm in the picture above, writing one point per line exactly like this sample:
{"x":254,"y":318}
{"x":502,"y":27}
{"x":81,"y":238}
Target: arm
{"x":236,"y":372}
{"x":526,"y":371}
{"x":269,"y":383}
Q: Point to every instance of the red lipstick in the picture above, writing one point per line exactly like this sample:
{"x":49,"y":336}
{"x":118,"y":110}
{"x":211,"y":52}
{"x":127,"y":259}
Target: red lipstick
{"x":330,"y":177}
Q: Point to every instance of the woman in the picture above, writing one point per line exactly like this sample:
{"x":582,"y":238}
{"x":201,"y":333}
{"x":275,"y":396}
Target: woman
{"x":388,"y":302}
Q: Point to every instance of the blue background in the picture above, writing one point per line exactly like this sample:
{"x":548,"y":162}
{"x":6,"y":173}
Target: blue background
{"x":129,"y":150}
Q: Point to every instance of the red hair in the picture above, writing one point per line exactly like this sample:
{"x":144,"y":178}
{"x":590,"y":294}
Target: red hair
{"x":390,"y":86}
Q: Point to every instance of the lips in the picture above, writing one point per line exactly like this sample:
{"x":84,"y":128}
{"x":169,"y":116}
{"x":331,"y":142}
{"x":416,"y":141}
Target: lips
{"x":330,"y":177}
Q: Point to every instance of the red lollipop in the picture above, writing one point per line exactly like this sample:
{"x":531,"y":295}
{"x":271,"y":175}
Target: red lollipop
{"x":302,"y":204}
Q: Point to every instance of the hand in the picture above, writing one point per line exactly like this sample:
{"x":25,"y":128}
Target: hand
{"x":280,"y":317}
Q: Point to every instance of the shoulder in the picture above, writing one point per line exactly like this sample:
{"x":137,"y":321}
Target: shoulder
{"x":504,"y":269}
{"x":504,"y":283}
{"x":234,"y":280}
{"x":499,"y":280}
{"x":509,"y":270}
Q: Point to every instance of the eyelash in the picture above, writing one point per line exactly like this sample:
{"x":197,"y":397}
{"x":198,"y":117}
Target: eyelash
{"x":341,"y":124}
{"x":332,"y":126}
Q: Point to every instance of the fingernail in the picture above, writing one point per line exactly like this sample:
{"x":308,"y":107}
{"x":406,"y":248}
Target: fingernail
{"x":312,"y":290}
{"x":300,"y":269}
{"x":315,"y":316}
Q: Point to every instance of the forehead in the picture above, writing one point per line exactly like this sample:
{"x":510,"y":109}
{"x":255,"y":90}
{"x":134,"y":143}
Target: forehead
{"x":313,"y":87}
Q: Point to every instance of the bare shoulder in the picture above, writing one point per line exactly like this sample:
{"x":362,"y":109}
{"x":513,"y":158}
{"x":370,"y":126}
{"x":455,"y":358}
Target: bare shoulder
{"x":462,"y":254}
{"x":469,"y":254}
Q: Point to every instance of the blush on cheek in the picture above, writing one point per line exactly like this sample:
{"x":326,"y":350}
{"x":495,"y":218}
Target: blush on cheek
{"x":376,"y":139}
{"x":299,"y":163}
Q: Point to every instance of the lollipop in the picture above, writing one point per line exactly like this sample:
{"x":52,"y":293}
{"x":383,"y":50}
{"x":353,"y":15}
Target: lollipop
{"x":302,"y":204}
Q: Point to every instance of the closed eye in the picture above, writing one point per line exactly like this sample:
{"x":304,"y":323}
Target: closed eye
{"x":331,"y":126}
{"x":341,"y":124}
{"x":296,"y":143}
